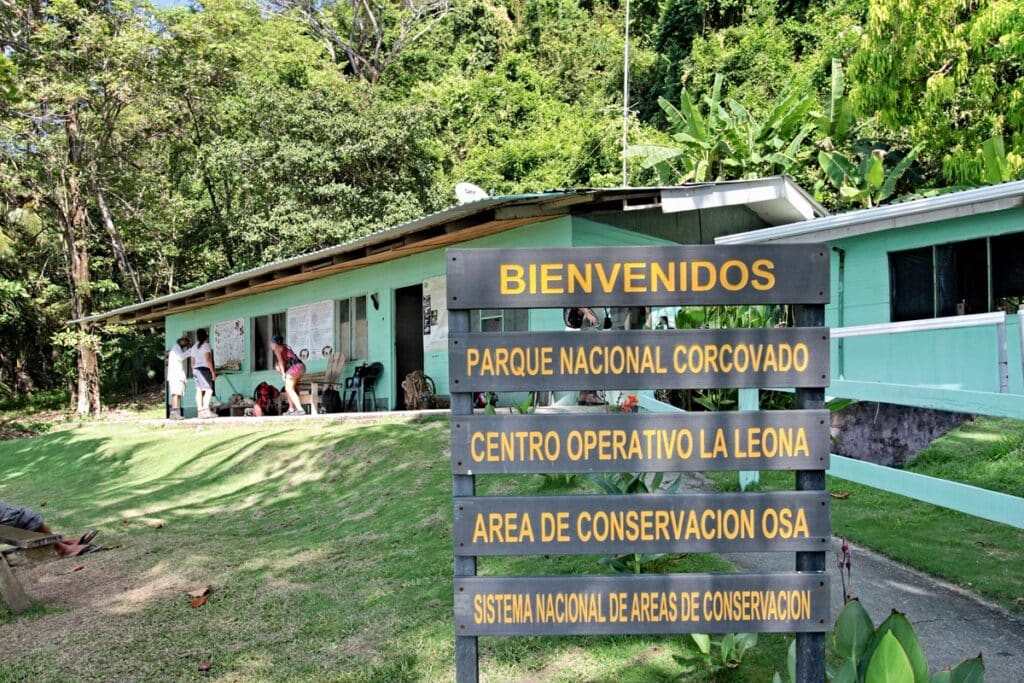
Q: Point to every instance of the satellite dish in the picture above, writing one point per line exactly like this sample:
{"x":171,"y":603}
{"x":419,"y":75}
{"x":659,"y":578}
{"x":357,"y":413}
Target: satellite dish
{"x":468,"y":192}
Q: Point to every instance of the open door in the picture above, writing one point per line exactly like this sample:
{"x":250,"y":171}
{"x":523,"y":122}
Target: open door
{"x":408,"y":337}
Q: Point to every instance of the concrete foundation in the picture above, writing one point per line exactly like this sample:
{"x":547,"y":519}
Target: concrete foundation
{"x":889,"y":434}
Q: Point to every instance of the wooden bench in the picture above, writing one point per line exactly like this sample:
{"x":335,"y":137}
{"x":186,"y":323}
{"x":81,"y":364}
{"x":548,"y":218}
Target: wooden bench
{"x":20,"y":548}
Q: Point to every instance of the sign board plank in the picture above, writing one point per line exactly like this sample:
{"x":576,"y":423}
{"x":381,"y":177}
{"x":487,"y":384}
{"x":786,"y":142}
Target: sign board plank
{"x":630,"y":276}
{"x":651,"y":603}
{"x":655,"y":523}
{"x":640,"y":442}
{"x":639,"y":359}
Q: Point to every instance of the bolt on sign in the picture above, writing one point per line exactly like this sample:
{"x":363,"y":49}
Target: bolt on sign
{"x":794,"y":521}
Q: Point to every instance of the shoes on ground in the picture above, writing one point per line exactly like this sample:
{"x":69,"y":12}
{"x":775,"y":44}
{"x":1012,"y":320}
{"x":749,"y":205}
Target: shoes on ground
{"x":175,"y":416}
{"x":295,"y":413}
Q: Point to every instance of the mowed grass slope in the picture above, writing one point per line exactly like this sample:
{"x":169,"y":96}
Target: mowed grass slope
{"x":328,"y":546}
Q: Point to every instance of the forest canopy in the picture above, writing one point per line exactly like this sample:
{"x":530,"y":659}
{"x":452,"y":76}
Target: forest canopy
{"x":144,"y":150}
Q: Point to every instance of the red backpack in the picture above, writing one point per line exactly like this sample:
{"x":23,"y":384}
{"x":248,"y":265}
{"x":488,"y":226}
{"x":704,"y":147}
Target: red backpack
{"x":262,"y":397}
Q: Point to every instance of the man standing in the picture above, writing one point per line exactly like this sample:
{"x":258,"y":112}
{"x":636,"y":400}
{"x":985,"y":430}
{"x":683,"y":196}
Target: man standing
{"x":176,"y":359}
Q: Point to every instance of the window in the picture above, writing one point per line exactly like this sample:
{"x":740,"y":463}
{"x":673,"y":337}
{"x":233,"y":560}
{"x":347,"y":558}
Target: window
{"x":352,"y":331}
{"x":500,"y":320}
{"x":264,"y":328}
{"x":972,"y":276}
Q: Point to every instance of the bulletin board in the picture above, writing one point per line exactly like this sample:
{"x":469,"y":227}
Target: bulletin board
{"x":229,"y":343}
{"x":311,"y":330}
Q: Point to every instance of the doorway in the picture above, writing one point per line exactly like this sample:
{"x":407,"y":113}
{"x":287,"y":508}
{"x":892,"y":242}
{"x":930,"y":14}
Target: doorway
{"x":408,"y":337}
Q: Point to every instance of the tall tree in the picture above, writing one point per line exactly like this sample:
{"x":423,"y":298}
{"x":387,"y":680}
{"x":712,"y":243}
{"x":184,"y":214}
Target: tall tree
{"x":946,"y":72}
{"x":75,"y":59}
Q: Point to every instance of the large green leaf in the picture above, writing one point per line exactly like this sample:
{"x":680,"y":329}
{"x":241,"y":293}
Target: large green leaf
{"x":968,"y":671}
{"x":853,"y":631}
{"x":897,"y":172}
{"x":889,"y":664}
{"x":900,"y":627}
{"x":993,"y":156}
{"x":874,"y":169}
{"x":703,"y":641}
{"x":833,"y":168}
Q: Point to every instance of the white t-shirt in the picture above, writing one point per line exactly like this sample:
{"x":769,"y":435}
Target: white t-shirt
{"x":198,"y":353}
{"x":176,"y":359}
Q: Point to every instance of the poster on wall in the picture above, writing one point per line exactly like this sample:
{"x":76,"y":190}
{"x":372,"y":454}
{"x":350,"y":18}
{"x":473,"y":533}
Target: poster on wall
{"x":311,"y":330}
{"x":435,"y":315}
{"x":229,"y":344}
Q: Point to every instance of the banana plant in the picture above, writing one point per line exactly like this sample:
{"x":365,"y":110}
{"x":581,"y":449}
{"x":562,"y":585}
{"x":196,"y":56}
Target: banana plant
{"x":867,"y":183}
{"x":997,"y":165}
{"x":727,"y":141}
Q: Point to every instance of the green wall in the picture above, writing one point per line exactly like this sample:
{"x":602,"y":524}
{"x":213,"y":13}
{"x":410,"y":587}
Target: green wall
{"x":381,"y":278}
{"x":953,"y":359}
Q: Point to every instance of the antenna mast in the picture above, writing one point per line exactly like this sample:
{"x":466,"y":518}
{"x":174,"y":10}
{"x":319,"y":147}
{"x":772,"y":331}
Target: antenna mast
{"x":625,"y":102}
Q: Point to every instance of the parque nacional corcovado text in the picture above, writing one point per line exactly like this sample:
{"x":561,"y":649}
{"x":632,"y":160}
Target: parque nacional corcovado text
{"x":636,"y":277}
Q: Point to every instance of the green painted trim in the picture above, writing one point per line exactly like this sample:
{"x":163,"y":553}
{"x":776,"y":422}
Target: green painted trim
{"x":749,"y":399}
{"x":970,"y":500}
{"x":938,"y":398}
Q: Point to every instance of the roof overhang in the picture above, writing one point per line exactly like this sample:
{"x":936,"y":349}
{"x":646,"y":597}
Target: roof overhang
{"x":776,"y":199}
{"x":890,"y":217}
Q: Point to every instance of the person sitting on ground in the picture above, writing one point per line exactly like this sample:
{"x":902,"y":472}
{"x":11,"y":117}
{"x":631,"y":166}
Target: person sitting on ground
{"x":292,"y":369}
{"x":203,"y":372}
{"x":30,"y":520}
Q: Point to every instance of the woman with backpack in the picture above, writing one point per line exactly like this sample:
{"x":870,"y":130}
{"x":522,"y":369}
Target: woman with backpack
{"x":292,"y":369}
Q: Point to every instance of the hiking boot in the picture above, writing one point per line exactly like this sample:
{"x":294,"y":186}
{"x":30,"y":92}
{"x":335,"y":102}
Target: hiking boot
{"x":175,"y":416}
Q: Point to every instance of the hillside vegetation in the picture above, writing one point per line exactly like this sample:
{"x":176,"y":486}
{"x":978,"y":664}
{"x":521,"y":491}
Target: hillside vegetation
{"x":144,"y":150}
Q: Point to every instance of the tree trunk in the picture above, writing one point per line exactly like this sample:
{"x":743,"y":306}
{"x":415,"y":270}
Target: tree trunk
{"x":73,"y":223}
{"x":117,"y":245}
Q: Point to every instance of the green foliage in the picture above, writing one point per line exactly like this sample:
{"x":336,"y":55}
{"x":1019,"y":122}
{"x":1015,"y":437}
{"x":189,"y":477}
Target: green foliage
{"x":726,"y":141}
{"x":622,"y":483}
{"x":868,"y":183}
{"x":946,"y":75}
{"x":714,"y":656}
{"x":860,"y":653}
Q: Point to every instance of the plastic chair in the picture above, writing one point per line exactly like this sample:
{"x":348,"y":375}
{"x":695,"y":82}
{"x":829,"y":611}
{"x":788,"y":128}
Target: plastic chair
{"x":363,"y":381}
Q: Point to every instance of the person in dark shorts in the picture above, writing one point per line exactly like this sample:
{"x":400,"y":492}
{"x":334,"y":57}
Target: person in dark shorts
{"x":203,"y":372}
{"x":30,"y":520}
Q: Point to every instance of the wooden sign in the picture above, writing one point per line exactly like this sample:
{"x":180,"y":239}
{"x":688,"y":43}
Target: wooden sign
{"x":674,"y":603}
{"x":639,"y":359}
{"x":642,"y":442}
{"x":631,"y":276}
{"x":657,"y":523}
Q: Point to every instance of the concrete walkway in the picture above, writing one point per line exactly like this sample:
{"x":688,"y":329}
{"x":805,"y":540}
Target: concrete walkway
{"x":952,"y":624}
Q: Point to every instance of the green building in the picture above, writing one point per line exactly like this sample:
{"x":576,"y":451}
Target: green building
{"x":381,"y":298}
{"x":926,"y":297}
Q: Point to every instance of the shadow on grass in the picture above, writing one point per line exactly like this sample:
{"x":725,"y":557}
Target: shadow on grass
{"x":328,"y":548}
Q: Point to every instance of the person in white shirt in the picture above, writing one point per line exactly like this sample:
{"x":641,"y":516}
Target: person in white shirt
{"x":203,"y":373}
{"x":176,"y":359}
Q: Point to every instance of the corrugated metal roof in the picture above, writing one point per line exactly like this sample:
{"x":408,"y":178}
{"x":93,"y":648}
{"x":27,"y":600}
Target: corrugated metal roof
{"x":452,"y":214}
{"x":890,"y":216}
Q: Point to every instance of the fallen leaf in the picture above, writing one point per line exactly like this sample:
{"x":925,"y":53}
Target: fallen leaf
{"x":199,"y":602}
{"x":199,"y":592}
{"x":43,"y":504}
{"x":78,"y":568}
{"x":841,"y":495}
{"x":205,"y":666}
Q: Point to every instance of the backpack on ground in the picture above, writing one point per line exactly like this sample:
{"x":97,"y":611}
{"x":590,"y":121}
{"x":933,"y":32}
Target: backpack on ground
{"x":263,"y":398}
{"x":330,"y":401}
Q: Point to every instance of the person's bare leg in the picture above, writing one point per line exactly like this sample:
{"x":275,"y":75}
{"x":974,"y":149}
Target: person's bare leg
{"x":289,"y":388}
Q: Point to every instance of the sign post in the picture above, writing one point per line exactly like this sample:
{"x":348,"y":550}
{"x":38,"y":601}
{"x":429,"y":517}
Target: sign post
{"x":751,"y":440}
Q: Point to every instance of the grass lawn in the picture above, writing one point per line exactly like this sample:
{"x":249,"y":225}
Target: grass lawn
{"x":984,"y":556}
{"x":328,"y":547}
